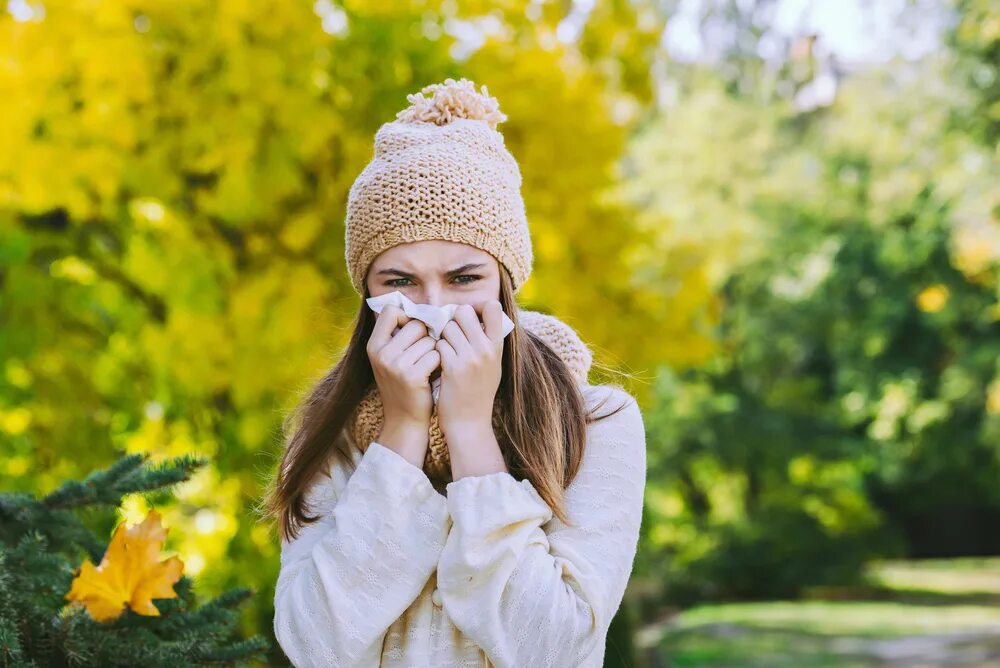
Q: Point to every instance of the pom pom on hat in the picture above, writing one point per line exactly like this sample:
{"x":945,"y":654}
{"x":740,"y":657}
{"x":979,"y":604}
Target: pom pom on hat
{"x":450,"y":100}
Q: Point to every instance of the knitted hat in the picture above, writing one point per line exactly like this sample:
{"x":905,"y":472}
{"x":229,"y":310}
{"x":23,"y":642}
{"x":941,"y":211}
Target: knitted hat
{"x":440,"y":171}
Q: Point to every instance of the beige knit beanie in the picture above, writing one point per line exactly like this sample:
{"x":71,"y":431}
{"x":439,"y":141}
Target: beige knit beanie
{"x":440,"y":171}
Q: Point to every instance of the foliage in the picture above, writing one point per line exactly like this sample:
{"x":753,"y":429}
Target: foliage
{"x":818,"y":284}
{"x":41,"y":545}
{"x":976,"y":37}
{"x":172,"y":183}
{"x":855,"y":407}
{"x":130,"y":574}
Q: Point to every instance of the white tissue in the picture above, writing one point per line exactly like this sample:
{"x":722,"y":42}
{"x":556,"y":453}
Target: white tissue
{"x":435,"y":317}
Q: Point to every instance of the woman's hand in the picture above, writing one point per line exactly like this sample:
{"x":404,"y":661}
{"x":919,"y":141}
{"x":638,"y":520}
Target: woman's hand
{"x":471,"y":355}
{"x":402,"y":364}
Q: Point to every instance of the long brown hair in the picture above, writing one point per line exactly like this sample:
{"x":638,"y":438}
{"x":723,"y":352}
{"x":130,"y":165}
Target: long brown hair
{"x":542,"y":432}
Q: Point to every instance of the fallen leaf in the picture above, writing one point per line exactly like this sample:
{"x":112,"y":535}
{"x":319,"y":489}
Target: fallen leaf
{"x":130,"y":574}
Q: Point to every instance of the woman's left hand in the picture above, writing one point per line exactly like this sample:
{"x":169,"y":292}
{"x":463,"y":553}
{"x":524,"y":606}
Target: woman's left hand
{"x":471,"y":356}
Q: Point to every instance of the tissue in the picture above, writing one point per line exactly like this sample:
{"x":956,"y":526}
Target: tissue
{"x":435,"y":317}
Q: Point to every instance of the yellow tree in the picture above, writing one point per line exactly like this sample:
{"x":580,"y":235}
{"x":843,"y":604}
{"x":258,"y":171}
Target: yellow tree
{"x":172,"y":186}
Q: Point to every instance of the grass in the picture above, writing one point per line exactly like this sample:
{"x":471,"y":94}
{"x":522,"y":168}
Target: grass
{"x":946,"y":576}
{"x":751,"y":651}
{"x":964,"y":595}
{"x":871,"y":619}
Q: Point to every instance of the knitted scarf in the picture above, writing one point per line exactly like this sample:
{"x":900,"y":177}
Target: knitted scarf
{"x":365,"y":423}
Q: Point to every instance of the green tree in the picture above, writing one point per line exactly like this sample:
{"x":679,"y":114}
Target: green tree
{"x":855,"y":400}
{"x":976,"y":38}
{"x":42,"y":543}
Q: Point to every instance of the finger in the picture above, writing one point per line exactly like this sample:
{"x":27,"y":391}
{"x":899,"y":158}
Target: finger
{"x":468,"y":320}
{"x":428,"y":362}
{"x":453,"y":333}
{"x":448,"y":354}
{"x":493,"y":320}
{"x":419,"y":348}
{"x":410,"y":333}
{"x":385,"y":323}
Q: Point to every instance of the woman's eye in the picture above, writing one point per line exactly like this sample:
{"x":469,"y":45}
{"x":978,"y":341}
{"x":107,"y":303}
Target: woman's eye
{"x":392,"y":282}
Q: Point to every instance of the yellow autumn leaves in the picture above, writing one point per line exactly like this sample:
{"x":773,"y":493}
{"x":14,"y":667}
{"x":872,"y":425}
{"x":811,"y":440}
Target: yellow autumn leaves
{"x":130,"y":574}
{"x":932,"y":298}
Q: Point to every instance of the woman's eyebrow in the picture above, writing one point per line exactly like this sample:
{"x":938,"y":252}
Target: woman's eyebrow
{"x":406,"y":274}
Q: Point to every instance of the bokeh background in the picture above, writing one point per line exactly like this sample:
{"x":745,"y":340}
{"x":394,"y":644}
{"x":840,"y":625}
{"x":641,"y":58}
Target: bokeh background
{"x":779,"y":218}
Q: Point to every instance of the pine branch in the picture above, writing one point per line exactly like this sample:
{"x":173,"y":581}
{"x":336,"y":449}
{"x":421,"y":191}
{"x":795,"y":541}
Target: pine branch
{"x":40,"y":540}
{"x":11,"y":651}
{"x":219,"y":611}
{"x":22,"y":513}
{"x":128,"y":475}
{"x":236,"y":651}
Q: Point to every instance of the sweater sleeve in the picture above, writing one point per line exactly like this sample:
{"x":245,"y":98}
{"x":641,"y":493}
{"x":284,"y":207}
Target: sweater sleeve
{"x":347,"y":577}
{"x":537,"y":595}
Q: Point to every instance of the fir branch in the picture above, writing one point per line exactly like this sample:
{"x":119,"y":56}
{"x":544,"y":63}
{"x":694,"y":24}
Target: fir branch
{"x":39,"y":556}
{"x":220,"y":611}
{"x":22,"y":513}
{"x":128,"y":475}
{"x":240,"y":650}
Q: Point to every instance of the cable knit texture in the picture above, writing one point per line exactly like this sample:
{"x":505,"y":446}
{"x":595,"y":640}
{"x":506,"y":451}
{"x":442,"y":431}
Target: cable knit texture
{"x":441,"y":170}
{"x":396,"y":574}
{"x":366,"y":421}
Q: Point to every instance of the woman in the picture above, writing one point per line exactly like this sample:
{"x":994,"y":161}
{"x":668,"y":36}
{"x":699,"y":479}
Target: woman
{"x":497,"y":526}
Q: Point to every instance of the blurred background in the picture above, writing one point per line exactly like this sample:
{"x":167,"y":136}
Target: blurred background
{"x":780,"y":218}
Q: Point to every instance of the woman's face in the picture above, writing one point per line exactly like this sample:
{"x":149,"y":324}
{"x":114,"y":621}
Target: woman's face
{"x":436,"y":271}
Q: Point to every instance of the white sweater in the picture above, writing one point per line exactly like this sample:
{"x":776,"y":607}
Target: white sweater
{"x":397,"y":574}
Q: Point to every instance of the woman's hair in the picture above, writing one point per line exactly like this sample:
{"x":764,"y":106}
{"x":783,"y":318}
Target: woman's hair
{"x":542,"y":430}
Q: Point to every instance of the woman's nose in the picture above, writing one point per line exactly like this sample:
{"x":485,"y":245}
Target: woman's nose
{"x":432,"y":296}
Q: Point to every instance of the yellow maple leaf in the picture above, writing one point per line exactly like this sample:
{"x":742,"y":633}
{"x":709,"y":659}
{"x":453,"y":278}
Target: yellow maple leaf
{"x":129,"y":574}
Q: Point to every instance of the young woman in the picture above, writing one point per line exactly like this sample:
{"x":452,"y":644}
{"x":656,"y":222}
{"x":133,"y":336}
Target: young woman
{"x":498,"y":525}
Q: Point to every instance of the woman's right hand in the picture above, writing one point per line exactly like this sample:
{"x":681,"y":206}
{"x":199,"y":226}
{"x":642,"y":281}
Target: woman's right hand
{"x":402,"y":364}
